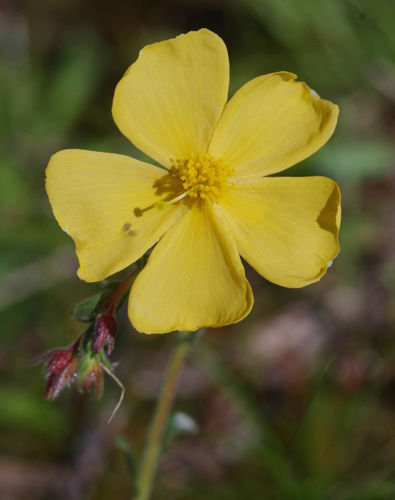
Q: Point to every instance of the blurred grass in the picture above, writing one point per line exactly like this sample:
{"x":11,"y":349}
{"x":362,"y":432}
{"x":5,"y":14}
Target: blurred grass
{"x":274,"y":423}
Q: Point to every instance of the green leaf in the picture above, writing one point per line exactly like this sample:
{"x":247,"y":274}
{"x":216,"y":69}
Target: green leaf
{"x":87,"y":309}
{"x":123,"y":444}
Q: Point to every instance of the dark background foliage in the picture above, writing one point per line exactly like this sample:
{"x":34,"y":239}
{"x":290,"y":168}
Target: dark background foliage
{"x":296,"y":402}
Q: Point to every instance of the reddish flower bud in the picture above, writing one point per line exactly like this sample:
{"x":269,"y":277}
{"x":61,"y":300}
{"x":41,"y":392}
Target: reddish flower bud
{"x":90,"y":376}
{"x":104,"y":332}
{"x":61,"y":369}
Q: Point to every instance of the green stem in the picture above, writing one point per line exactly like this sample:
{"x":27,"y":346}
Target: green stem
{"x":113,"y":302}
{"x":153,"y":446}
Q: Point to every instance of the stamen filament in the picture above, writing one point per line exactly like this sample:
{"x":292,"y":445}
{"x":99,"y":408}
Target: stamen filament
{"x":161,"y":204}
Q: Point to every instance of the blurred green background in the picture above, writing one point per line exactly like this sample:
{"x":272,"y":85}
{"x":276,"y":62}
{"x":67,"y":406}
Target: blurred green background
{"x":295,"y":403}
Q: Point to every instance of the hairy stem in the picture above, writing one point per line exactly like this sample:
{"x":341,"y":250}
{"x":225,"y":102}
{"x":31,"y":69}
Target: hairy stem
{"x":153,"y":446}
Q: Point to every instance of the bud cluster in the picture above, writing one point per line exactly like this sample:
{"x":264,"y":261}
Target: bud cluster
{"x":83,"y":361}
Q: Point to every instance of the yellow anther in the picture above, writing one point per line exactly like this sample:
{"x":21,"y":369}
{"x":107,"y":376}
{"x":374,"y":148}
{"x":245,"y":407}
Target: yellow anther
{"x":202,"y":176}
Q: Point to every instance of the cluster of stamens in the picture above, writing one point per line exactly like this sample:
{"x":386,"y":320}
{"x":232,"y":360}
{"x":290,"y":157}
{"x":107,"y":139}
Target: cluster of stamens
{"x":202,"y":176}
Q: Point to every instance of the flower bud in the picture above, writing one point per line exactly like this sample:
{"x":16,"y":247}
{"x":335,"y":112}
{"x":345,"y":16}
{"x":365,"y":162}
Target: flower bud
{"x":104,"y":332}
{"x":90,"y":375}
{"x":61,"y":369}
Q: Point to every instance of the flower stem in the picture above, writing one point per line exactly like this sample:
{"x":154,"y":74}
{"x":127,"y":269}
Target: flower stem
{"x":153,"y":446}
{"x":114,"y":300}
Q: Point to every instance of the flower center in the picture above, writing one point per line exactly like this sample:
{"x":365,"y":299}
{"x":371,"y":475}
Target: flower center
{"x":202,"y":176}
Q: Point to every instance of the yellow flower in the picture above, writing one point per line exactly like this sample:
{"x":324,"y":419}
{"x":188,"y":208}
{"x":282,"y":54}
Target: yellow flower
{"x":212,"y":200}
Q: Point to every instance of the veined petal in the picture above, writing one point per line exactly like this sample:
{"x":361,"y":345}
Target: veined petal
{"x":194,"y":278}
{"x":105,"y":202}
{"x":286,"y":228}
{"x":170,"y":100}
{"x":270,"y":124}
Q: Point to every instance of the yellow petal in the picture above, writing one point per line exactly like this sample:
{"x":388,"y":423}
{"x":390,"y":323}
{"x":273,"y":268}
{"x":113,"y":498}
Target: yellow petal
{"x":194,"y":278}
{"x":286,"y":227}
{"x":169,"y":101}
{"x":270,"y":124}
{"x":105,"y":203}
